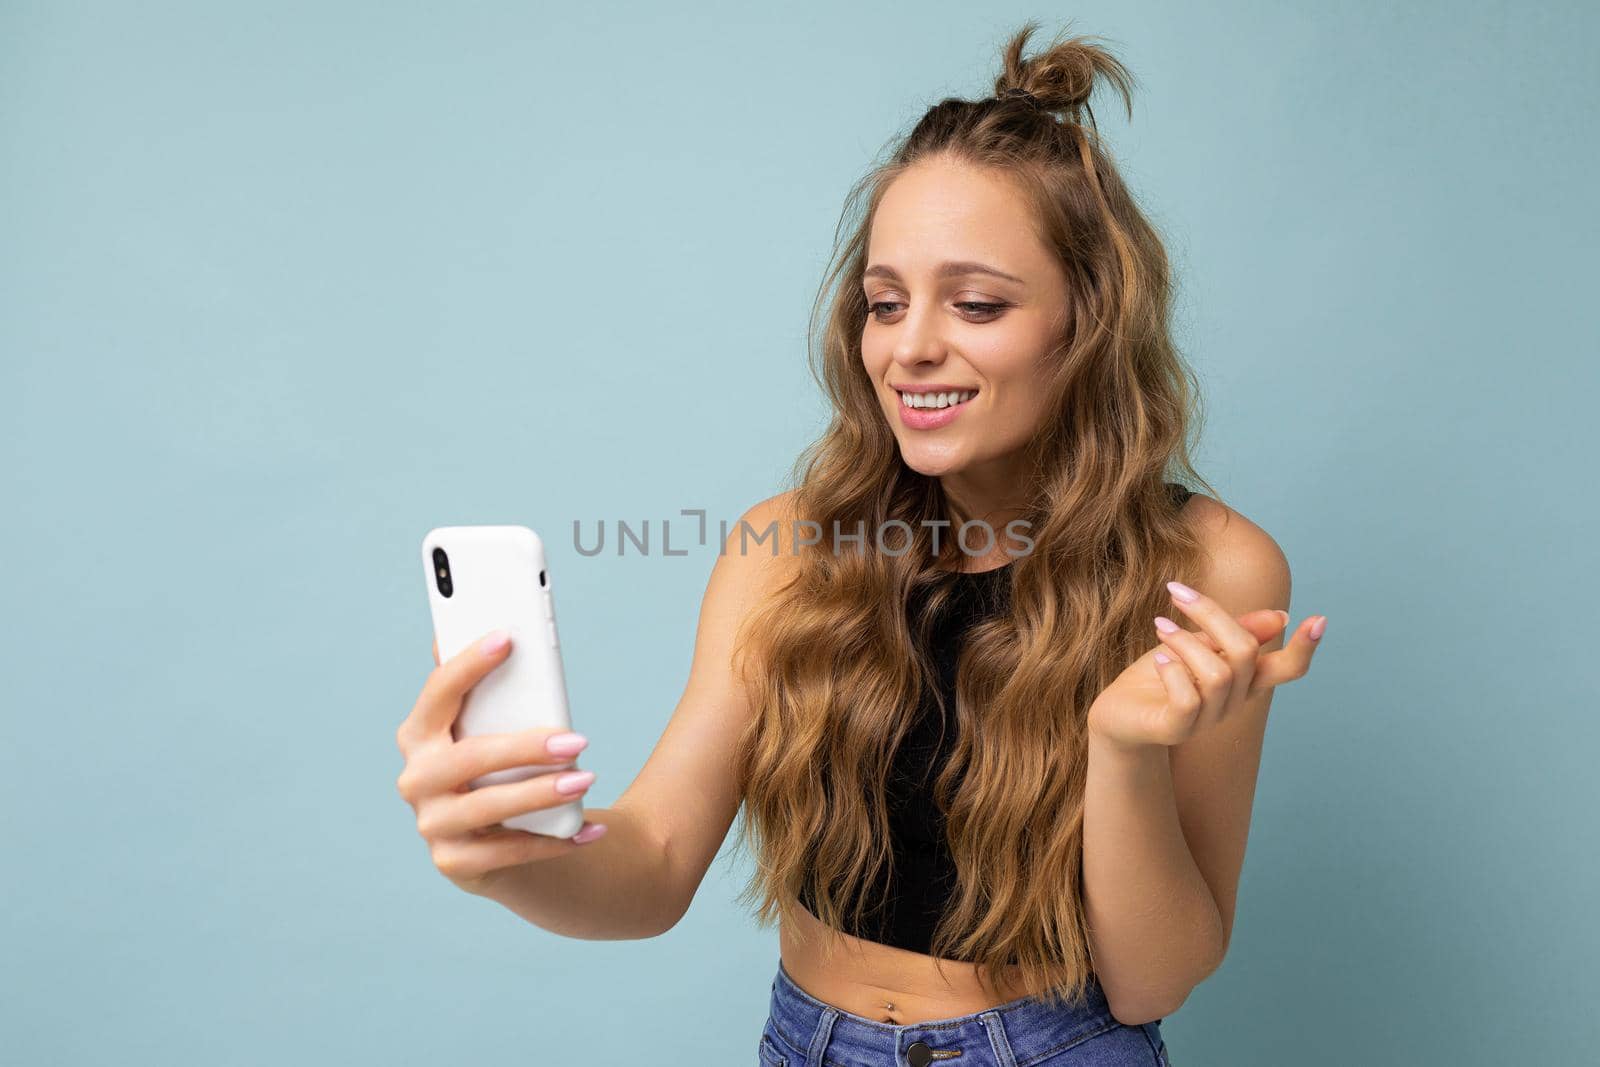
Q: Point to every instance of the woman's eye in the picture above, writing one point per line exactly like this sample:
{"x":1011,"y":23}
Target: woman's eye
{"x":972,"y":307}
{"x":982,"y":309}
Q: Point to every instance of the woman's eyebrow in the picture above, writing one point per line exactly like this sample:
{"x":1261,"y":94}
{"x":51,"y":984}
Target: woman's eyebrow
{"x":954,"y":269}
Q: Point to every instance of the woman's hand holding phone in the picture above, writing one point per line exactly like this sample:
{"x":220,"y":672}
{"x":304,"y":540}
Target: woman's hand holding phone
{"x":461,"y":824}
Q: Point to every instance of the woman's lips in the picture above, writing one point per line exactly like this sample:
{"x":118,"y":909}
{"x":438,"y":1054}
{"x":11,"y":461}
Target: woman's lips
{"x":930,"y":418}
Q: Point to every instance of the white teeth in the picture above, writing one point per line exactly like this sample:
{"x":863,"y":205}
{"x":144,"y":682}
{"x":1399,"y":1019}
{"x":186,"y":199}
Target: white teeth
{"x":936,"y":400}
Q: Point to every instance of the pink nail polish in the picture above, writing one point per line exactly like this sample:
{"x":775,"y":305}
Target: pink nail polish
{"x":565,"y":744}
{"x":1163,"y":658}
{"x":495,"y":642}
{"x":575,"y":782}
{"x":589,"y":833}
{"x":1315,"y":633}
{"x":1166,"y":625}
{"x":1183,"y":592}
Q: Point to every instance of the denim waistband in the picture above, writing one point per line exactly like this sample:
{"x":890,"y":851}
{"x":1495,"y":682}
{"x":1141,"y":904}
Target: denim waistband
{"x":1013,"y":1034}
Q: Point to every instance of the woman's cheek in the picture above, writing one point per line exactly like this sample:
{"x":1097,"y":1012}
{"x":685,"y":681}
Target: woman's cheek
{"x":1017,"y":417}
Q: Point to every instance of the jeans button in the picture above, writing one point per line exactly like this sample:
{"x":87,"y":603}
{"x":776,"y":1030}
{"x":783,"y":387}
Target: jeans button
{"x":918,"y":1054}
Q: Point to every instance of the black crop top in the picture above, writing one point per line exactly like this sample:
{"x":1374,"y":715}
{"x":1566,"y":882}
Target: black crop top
{"x":903,"y":910}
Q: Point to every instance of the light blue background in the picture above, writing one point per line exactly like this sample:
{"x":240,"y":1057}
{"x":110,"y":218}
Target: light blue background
{"x":283,"y":286}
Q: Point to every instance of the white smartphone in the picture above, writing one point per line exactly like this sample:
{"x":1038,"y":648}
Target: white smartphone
{"x":483,"y":578}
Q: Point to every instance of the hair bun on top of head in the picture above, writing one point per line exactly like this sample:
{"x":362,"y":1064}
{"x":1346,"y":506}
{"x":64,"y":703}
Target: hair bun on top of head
{"x":1038,"y":105}
{"x":1063,"y":75}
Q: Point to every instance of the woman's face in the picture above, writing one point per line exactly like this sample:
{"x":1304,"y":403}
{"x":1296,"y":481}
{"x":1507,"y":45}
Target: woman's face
{"x":946,"y":237}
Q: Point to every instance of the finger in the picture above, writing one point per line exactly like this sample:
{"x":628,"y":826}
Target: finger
{"x":1267,"y":624}
{"x":1183,"y":699}
{"x":1237,"y":644}
{"x":442,"y":694}
{"x":455,"y":814}
{"x":473,"y":857}
{"x":1213,"y":675}
{"x":1294,"y":659}
{"x":435,"y":651}
{"x":449,"y":767}
{"x":1264,"y":624}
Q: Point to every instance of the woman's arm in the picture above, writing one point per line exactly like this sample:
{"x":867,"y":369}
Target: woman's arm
{"x":1165,"y":827}
{"x":613,"y":889}
{"x":1154,"y":930}
{"x":663,"y":832}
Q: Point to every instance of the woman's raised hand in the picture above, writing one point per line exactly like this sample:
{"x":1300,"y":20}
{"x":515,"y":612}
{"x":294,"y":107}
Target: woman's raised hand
{"x":461,"y":824}
{"x":1191,"y":681}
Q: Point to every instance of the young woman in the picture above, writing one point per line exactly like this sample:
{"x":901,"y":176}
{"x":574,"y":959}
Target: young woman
{"x":998,"y":788}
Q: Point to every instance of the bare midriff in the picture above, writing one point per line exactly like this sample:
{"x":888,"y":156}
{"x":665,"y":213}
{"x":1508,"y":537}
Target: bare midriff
{"x":885,"y":983}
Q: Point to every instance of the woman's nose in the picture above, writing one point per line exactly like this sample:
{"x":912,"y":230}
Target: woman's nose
{"x":919,"y":341}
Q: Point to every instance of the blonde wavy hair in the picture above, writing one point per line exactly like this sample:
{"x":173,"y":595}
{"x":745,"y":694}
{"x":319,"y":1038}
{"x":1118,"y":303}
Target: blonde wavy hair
{"x":831,"y":663}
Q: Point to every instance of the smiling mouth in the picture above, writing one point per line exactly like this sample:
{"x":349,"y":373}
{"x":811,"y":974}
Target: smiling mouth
{"x":936,"y":401}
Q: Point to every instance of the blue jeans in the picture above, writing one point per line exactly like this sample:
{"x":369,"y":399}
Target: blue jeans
{"x":802,"y":1031}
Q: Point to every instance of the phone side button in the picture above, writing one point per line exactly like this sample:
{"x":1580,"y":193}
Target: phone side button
{"x":554,"y":641}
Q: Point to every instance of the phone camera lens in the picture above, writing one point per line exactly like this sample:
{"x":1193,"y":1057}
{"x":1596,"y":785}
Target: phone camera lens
{"x":541,"y":580}
{"x":441,"y":572}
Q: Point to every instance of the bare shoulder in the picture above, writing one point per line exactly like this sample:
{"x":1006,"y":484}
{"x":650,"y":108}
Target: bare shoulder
{"x":774,"y":515}
{"x":757,"y":556}
{"x":1244,"y":569}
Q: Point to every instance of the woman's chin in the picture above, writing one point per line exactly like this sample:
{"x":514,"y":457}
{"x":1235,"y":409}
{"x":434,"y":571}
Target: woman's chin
{"x":933,"y":463}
